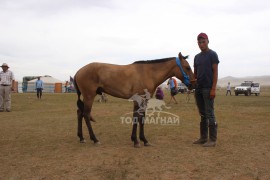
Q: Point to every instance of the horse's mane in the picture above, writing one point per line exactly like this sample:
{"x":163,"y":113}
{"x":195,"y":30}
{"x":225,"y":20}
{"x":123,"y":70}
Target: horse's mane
{"x":157,"y":60}
{"x":154,"y":61}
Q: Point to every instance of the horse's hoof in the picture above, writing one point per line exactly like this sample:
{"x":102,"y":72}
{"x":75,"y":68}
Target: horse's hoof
{"x":97,"y":143}
{"x":147,"y":144}
{"x":137,"y":145}
{"x":82,"y":141}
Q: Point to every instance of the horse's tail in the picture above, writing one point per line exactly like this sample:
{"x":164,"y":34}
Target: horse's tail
{"x":80,"y":104}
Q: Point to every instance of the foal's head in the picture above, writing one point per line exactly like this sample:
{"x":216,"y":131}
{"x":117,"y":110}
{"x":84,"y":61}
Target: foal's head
{"x":187,"y":70}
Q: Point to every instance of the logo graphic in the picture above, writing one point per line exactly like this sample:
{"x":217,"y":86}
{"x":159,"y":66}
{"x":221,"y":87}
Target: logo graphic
{"x":141,"y":100}
{"x":154,"y":110}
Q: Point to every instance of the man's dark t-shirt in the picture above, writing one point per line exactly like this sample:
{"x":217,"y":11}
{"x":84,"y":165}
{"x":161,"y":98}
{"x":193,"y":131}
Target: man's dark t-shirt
{"x":203,"y":63}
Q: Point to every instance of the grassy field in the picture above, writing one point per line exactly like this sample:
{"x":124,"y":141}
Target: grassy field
{"x":38,"y":141}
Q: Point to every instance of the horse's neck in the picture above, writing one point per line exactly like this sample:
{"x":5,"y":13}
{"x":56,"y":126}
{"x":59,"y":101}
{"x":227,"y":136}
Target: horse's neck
{"x":162,"y":71}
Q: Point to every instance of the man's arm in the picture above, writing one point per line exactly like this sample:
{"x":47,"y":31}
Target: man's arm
{"x":215,"y":79}
{"x":13,"y":85}
{"x":195,"y":72}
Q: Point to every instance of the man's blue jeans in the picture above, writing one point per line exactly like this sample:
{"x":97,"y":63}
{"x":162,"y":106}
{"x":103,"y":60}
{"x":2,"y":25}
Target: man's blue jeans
{"x":205,"y":106}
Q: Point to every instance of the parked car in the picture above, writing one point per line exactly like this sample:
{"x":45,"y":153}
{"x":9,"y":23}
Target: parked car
{"x":244,"y":88}
{"x":182,"y":88}
{"x":255,"y":89}
{"x":247,"y":88}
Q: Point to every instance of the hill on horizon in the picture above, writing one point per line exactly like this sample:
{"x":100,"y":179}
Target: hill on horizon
{"x":235,"y":81}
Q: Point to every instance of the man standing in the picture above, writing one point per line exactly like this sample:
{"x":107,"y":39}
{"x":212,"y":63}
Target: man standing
{"x":39,"y":88}
{"x":7,"y":84}
{"x":206,"y":73}
{"x":66,"y":87}
{"x":173,"y":88}
{"x":229,"y":89}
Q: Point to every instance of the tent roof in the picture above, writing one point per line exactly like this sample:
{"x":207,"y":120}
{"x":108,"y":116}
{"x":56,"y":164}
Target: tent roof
{"x":47,"y":79}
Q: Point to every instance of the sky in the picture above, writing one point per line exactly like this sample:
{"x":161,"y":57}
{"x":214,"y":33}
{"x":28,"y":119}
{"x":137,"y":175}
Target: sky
{"x":58,"y":37}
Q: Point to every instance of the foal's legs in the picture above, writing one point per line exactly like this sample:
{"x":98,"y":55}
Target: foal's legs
{"x":80,"y":133}
{"x":141,"y":122}
{"x":135,"y":123}
{"x":138,"y":117}
{"x":142,"y":137}
{"x":88,"y":101}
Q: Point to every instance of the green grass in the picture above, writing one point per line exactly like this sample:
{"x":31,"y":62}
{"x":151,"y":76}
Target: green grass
{"x":38,"y":141}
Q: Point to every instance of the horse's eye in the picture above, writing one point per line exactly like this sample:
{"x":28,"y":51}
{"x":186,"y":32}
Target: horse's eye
{"x":188,"y":68}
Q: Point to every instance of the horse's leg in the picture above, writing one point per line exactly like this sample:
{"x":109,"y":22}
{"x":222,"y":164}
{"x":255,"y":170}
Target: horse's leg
{"x":142,"y":137}
{"x":141,"y":122}
{"x":80,"y":133}
{"x":134,"y":128}
{"x":87,"y":117}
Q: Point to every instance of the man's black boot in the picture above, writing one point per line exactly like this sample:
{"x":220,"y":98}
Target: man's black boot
{"x":203,"y":133}
{"x":213,"y":136}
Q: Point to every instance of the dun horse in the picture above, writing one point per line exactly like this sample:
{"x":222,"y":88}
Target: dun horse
{"x":123,"y":81}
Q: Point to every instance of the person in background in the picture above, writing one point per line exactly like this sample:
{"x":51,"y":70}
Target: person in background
{"x":159,"y":94}
{"x":173,"y":88}
{"x":228,"y":89}
{"x":7,"y":84}
{"x":206,"y":73}
{"x":103,"y":98}
{"x":66,"y":87}
{"x":39,"y":88}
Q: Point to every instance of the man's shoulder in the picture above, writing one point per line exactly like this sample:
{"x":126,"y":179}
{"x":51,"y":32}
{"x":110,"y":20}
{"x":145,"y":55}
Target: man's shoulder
{"x":9,"y":72}
{"x":212,"y":52}
{"x":214,"y":56}
{"x":198,"y":54}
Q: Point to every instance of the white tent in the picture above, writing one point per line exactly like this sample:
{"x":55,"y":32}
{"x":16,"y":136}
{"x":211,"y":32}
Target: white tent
{"x":49,"y":84}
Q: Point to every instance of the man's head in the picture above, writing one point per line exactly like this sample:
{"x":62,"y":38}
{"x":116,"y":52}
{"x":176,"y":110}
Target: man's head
{"x":5,"y":67}
{"x":203,"y":41}
{"x":38,"y":78}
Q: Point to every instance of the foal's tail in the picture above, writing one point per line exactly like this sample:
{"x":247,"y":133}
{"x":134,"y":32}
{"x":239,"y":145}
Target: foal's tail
{"x":80,"y":104}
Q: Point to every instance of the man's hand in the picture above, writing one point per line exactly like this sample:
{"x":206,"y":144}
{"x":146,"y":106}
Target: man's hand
{"x":212,"y":93}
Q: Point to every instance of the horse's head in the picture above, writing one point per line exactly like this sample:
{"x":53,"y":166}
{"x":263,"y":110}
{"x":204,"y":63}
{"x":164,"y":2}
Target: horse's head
{"x":183,"y":71}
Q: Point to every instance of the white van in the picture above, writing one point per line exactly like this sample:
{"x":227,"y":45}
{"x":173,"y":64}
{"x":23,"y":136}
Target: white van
{"x":255,"y":88}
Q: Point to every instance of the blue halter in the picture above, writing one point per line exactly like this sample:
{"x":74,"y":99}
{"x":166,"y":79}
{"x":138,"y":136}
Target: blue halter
{"x":186,"y":77}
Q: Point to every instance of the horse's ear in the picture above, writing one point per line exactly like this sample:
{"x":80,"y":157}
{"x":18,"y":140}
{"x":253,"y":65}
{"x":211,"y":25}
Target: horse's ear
{"x":180,"y":56}
{"x":185,"y":57}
